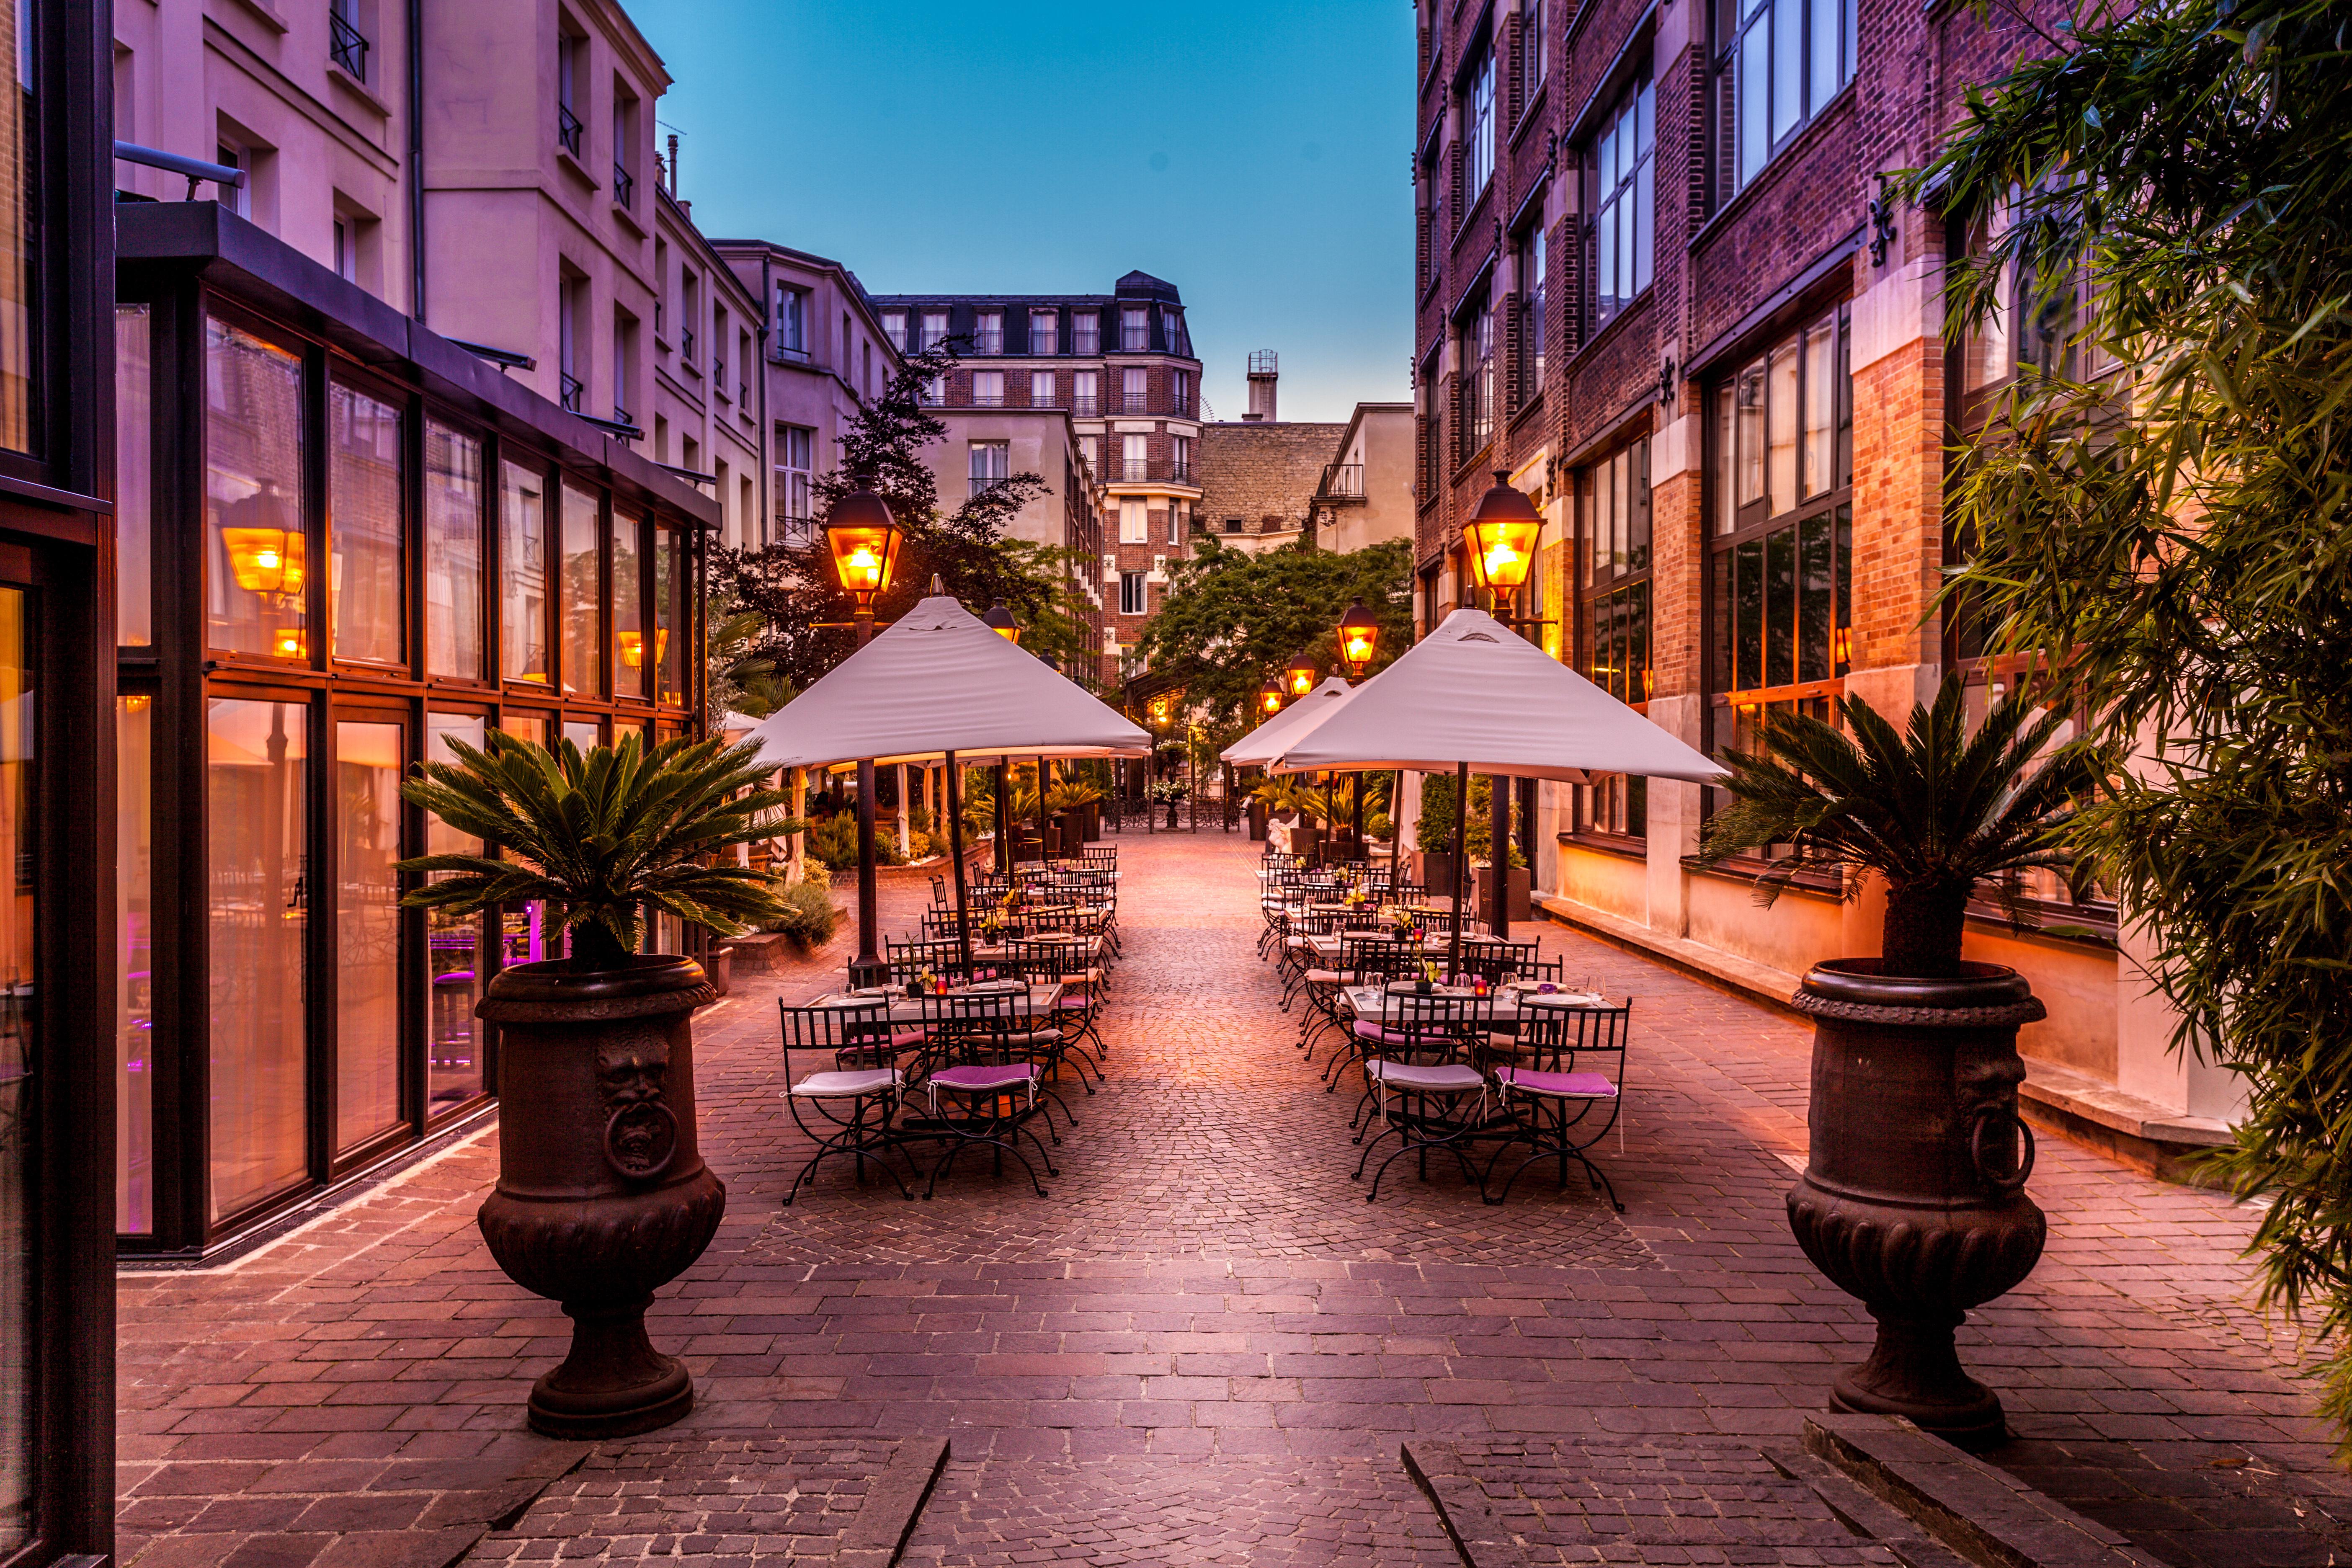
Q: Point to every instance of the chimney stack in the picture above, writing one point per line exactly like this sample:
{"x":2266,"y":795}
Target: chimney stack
{"x":1265,"y":370}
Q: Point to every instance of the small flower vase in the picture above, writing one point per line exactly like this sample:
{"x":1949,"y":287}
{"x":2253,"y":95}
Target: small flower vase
{"x":1420,"y":987}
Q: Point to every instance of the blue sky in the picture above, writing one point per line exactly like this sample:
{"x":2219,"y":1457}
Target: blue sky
{"x":1256,"y":154}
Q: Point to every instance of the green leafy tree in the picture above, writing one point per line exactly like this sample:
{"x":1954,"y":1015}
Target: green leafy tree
{"x":601,"y":836}
{"x":803,"y":613}
{"x":1232,"y":620}
{"x":2187,"y":573}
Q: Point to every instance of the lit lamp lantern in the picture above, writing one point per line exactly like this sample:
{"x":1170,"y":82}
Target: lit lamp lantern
{"x":287,"y":644}
{"x":1358,"y":632}
{"x":864,"y":539}
{"x":1300,"y":678}
{"x":1000,"y":620}
{"x":265,"y":560}
{"x":1500,"y":536}
{"x":632,"y":648}
{"x":1269,"y":698}
{"x":1161,"y":710}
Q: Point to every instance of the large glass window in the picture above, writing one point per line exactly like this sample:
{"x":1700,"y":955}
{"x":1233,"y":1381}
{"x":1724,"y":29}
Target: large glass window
{"x":1778,"y":63}
{"x":257,"y":906}
{"x":1477,"y":423}
{"x":1134,"y":329}
{"x":20,"y":273}
{"x":1477,"y":102}
{"x":628,"y":607}
{"x":19,"y":1229}
{"x":453,"y":554}
{"x":529,"y":934}
{"x":1780,"y":545}
{"x":254,"y":555}
{"x":522,"y":573}
{"x":1532,"y":266}
{"x":583,"y":597}
{"x":134,"y":965}
{"x":1086,"y":331}
{"x":134,"y":458}
{"x":1534,"y":51}
{"x":368,"y":766}
{"x":1044,"y":332}
{"x":363,"y":527}
{"x":1612,"y":617}
{"x":796,"y":454}
{"x":1621,"y":170}
{"x":457,"y":955}
{"x":669,"y":611}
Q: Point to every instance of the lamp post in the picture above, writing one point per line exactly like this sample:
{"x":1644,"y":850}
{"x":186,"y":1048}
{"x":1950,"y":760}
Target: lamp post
{"x":863,"y":539}
{"x":1000,"y":620}
{"x":1269,"y":699}
{"x":1500,"y":537}
{"x":1157,"y":714}
{"x":1359,"y":634}
{"x":1298,"y":677}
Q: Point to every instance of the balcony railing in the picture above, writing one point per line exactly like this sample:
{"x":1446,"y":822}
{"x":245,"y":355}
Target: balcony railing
{"x":1148,"y":470}
{"x":347,"y":47}
{"x":987,"y":400}
{"x":686,"y":347}
{"x":569,"y":388}
{"x":1086,"y":345}
{"x":1343,"y":478}
{"x":717,"y":376}
{"x":624,"y":184}
{"x":569,"y":131}
{"x":1135,"y":402}
{"x":1180,"y":407}
{"x":988,"y":342}
{"x":1084,"y":405}
{"x":982,"y":483}
{"x":1134,"y":339}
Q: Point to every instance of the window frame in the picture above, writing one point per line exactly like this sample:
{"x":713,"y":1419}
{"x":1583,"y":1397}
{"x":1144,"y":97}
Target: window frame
{"x":1631,"y":194}
{"x":1135,"y":589}
{"x":1732,"y":56}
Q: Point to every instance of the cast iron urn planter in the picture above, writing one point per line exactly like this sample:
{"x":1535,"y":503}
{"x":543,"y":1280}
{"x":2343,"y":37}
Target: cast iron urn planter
{"x":603,"y":1196}
{"x":1913,"y":1199}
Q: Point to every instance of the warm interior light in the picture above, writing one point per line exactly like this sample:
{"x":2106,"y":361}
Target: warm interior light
{"x":1841,"y":646}
{"x":1269,"y":698}
{"x":287,"y":644}
{"x":1649,"y":683}
{"x":632,"y":648}
{"x":264,"y":559}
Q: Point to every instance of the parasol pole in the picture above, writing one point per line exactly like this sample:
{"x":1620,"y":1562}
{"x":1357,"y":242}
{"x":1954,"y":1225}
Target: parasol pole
{"x":1461,"y":861}
{"x":955,"y":841}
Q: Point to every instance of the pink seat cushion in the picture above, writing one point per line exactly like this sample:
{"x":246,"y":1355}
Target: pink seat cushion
{"x":1366,"y":1030}
{"x":1559,"y":1085}
{"x":906,"y":1039}
{"x":979,"y":1080}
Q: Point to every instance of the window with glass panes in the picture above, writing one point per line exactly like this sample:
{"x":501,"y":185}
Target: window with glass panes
{"x":1778,"y":63}
{"x":1781,"y":533}
{"x":1533,"y":54}
{"x":1477,"y":100}
{"x":1044,"y":332}
{"x":795,"y":452}
{"x":1532,"y":266}
{"x":1612,"y":615}
{"x":1620,"y":175}
{"x":1477,"y":420}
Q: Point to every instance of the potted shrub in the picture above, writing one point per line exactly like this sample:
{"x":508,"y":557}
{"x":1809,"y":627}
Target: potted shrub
{"x":1913,"y":1198}
{"x":603,"y":1196}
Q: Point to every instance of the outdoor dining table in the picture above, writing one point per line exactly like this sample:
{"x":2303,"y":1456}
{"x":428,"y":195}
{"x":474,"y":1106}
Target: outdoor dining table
{"x":906,"y":1009}
{"x":1088,"y":948}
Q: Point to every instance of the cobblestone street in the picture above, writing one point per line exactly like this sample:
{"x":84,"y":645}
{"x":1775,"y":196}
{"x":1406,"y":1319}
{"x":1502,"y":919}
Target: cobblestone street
{"x":1204,"y":1346}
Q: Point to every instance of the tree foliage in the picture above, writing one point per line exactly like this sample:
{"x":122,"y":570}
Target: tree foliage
{"x":601,"y":836}
{"x":803,"y":611}
{"x":2188,"y":570}
{"x":1232,"y":620}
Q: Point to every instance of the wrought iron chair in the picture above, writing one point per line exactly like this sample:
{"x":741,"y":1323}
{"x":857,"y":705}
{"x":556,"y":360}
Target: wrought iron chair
{"x":1570,"y":1096}
{"x":1043,"y":961}
{"x":1423,"y":1058}
{"x":987,"y":1087}
{"x":854,"y":1107}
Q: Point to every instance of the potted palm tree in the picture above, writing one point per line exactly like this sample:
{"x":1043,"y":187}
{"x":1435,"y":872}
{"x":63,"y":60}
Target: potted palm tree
{"x":603,"y":1196}
{"x":1913,"y":1198}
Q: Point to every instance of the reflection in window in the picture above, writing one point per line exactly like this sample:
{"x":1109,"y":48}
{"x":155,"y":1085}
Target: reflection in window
{"x":19,"y":248}
{"x":583,"y":597}
{"x":1776,"y":64}
{"x":363,"y":526}
{"x":19,"y":840}
{"x":257,"y":907}
{"x":669,"y":592}
{"x":628,"y":607}
{"x":134,"y":970}
{"x":1621,"y":165}
{"x":453,"y":554}
{"x":457,"y":959}
{"x":134,"y":523}
{"x":255,"y":556}
{"x":368,"y":765}
{"x":527,"y":935}
{"x":522,"y":573}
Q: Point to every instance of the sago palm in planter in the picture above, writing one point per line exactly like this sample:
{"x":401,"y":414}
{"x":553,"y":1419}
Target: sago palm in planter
{"x":603,"y":1196}
{"x":1913,"y":1198}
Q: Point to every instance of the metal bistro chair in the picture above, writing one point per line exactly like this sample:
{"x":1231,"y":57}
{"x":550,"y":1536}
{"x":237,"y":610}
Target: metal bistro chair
{"x":1570,"y":1098}
{"x":988,"y":1088}
{"x":1425,"y":1051}
{"x":1041,"y":961}
{"x":854,"y":1107}
{"x":943,"y":959}
{"x":1365,"y":958}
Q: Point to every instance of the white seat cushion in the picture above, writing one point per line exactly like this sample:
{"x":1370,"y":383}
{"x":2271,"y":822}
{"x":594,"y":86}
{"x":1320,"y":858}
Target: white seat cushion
{"x":1449,"y":1079}
{"x":847,"y":1085}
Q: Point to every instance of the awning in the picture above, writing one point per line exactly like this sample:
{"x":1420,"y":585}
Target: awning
{"x":1265,"y":743}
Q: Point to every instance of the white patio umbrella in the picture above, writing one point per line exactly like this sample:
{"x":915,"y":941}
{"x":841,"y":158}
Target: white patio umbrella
{"x":1264,"y":743}
{"x":935,"y":682}
{"x":1475,"y":696}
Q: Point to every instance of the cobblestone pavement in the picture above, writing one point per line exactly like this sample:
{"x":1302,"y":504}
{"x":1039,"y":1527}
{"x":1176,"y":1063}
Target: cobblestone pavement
{"x":1205,"y":1346}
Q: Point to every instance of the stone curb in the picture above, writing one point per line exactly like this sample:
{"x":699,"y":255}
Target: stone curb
{"x":894,"y":1503}
{"x":1863,"y":1512}
{"x":1461,"y":1504}
{"x":1988,"y":1517}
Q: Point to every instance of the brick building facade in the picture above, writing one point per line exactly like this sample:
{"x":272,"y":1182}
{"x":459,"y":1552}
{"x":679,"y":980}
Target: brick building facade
{"x":1658,"y":284}
{"x":1121,"y":366}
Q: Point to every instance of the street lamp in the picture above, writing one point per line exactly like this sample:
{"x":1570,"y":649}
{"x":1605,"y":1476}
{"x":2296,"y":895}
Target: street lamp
{"x":1358,"y":632}
{"x":1500,"y":535}
{"x":863,"y":540}
{"x":1299,"y":678}
{"x":1000,"y":620}
{"x":1269,"y":698}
